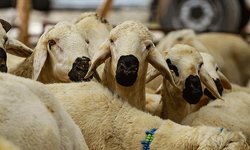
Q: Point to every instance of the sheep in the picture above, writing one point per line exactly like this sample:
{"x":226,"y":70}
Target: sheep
{"x":184,"y":36}
{"x":127,"y":52}
{"x":97,"y":30}
{"x":9,"y":45}
{"x":232,"y":114}
{"x":188,"y":71}
{"x":154,"y":105}
{"x":109,"y":122}
{"x":60,"y":56}
{"x":32,"y":119}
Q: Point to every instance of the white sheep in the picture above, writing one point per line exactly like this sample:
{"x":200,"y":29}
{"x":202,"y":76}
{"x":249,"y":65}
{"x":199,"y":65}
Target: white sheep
{"x":212,"y":69}
{"x":97,"y":30}
{"x":32,"y":119}
{"x":187,"y":67}
{"x":126,"y":53}
{"x":184,"y":36}
{"x":60,"y":56}
{"x":109,"y":122}
{"x":9,"y":45}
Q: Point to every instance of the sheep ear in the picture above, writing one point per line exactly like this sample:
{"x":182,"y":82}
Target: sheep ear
{"x":207,"y":80}
{"x":157,"y":61}
{"x":17,"y":48}
{"x":5,"y":25}
{"x":151,"y":74}
{"x":224,"y":81}
{"x":100,"y":56}
{"x":40,"y":56}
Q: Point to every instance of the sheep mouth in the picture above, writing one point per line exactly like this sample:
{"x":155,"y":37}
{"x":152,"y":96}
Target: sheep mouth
{"x":3,"y":57}
{"x":193,"y":90}
{"x":79,"y":70}
{"x":127,"y":70}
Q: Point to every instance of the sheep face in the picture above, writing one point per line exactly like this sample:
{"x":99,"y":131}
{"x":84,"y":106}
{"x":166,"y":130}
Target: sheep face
{"x":188,"y":71}
{"x":184,"y":36}
{"x":64,"y":48}
{"x":4,"y":28}
{"x":130,"y":46}
{"x":219,"y":79}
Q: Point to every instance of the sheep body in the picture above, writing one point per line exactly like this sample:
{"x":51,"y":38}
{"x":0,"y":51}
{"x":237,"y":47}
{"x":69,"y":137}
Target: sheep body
{"x":32,"y":119}
{"x":232,"y":114}
{"x":108,"y":122}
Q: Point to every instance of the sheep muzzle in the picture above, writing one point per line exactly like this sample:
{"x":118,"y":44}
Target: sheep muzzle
{"x":80,"y":69}
{"x":3,"y":57}
{"x":127,"y":70}
{"x":193,"y":90}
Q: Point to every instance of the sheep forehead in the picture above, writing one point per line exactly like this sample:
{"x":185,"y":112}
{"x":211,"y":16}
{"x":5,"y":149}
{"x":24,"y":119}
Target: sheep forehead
{"x":181,"y":50}
{"x":210,"y":65}
{"x":63,"y":30}
{"x":132,"y":26}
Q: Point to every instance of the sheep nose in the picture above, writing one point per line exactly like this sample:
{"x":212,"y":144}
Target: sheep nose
{"x":193,"y":90}
{"x":3,"y":57}
{"x":79,"y":69}
{"x":127,"y":69}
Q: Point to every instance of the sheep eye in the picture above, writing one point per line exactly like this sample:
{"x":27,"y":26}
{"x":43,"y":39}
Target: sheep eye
{"x":217,"y":68}
{"x":200,"y":65}
{"x":180,"y":39}
{"x":51,"y":43}
{"x":148,"y":47}
{"x":111,"y":40}
{"x":87,"y":41}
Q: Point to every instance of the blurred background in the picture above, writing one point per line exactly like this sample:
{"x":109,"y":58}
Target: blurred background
{"x":30,"y":18}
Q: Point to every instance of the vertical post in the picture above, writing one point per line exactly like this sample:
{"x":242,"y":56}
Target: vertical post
{"x":24,"y":8}
{"x":104,"y":8}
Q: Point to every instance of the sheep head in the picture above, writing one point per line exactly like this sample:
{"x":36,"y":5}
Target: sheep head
{"x":10,"y":45}
{"x":130,"y":46}
{"x":63,"y":51}
{"x":219,"y":79}
{"x":184,"y":36}
{"x":188,"y":72}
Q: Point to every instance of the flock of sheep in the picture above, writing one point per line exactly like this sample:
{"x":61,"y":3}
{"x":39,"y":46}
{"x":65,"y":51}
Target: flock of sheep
{"x":87,"y":85}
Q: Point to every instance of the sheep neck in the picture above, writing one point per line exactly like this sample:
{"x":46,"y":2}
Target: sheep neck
{"x":174,"y":106}
{"x":135,"y":94}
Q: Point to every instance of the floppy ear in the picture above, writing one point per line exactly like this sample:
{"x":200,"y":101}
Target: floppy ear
{"x":17,"y":48}
{"x":5,"y":25}
{"x":40,"y":56}
{"x":224,"y":81}
{"x":207,"y":80}
{"x":157,"y":61}
{"x":100,"y":56}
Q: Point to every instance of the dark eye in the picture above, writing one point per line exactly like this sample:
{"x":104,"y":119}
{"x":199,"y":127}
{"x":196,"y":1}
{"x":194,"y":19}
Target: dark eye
{"x":148,"y":47}
{"x":111,"y":40}
{"x":87,"y":41}
{"x":51,"y":43}
{"x":180,"y":39}
{"x":200,"y":65}
{"x":217,"y":68}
